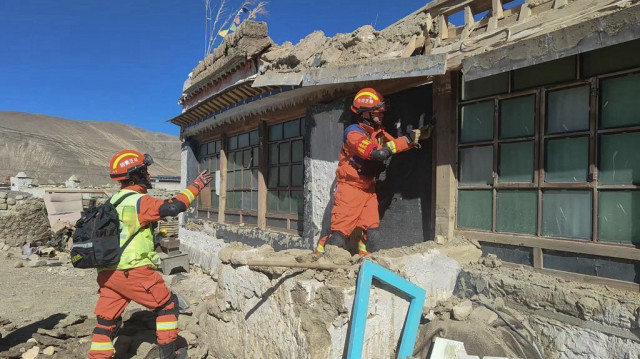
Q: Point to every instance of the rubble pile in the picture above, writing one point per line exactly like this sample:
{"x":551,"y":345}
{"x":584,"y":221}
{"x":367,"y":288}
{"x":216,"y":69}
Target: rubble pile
{"x":364,"y":44}
{"x":23,"y":219}
{"x":65,"y":336}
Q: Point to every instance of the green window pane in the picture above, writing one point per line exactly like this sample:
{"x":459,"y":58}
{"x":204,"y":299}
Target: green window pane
{"x":237,"y":183}
{"x":620,"y":159}
{"x":620,"y":101}
{"x":297,"y":175}
{"x":246,"y":155}
{"x":275,"y":132}
{"x":254,"y":178}
{"x":611,"y":58}
{"x":284,"y":152}
{"x":215,"y":200}
{"x":211,"y":148}
{"x":486,"y":86}
{"x":215,"y":164}
{"x":517,"y":117}
{"x":231,"y":161}
{"x":254,"y":200}
{"x":233,"y":142}
{"x":546,"y":73}
{"x":516,"y":162}
{"x":283,"y":201}
{"x":297,"y":202}
{"x":246,"y":179}
{"x":292,"y":129}
{"x":238,"y":160}
{"x":253,"y":138}
{"x":203,"y":150}
{"x":283,"y":176}
{"x":568,"y":110}
{"x":272,"y":201}
{"x":476,"y":165}
{"x":477,"y":122}
{"x":567,"y":160}
{"x":517,"y":211}
{"x":256,"y":158}
{"x":302,"y":126}
{"x":231,"y":200}
{"x":243,"y":140}
{"x":246,"y":200}
{"x":273,"y":154}
{"x":618,"y":217}
{"x":567,"y":214}
{"x":208,"y":165}
{"x":272,"y":181}
{"x":297,"y":152}
{"x":475,"y":209}
{"x":217,"y":142}
{"x":230,"y":179}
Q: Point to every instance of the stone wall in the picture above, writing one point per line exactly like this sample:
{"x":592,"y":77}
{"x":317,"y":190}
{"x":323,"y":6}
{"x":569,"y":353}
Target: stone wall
{"x":570,"y":320}
{"x":23,"y":218}
{"x":270,"y":312}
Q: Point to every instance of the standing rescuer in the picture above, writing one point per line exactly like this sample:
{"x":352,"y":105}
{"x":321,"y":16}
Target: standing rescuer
{"x":135,"y":277}
{"x":366,"y":145}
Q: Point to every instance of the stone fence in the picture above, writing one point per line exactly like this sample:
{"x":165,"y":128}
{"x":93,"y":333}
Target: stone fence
{"x":23,"y":219}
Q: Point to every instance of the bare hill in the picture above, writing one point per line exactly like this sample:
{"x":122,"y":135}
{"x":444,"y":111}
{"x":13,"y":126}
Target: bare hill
{"x":51,"y":149}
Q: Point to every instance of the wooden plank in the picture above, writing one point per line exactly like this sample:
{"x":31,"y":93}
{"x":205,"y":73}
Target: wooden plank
{"x":537,"y":258}
{"x":613,"y":283}
{"x":222,"y":202}
{"x":445,"y":93}
{"x":563,"y":245}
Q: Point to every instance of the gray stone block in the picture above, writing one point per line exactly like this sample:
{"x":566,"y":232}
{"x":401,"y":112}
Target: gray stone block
{"x":3,"y":200}
{"x":11,"y":201}
{"x":3,"y":194}
{"x":3,"y":206}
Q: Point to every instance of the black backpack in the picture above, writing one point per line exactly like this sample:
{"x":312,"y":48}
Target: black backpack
{"x":96,"y":240}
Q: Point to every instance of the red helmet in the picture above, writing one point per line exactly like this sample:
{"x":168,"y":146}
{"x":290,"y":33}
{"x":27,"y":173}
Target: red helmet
{"x":368,"y":100}
{"x":125,"y":162}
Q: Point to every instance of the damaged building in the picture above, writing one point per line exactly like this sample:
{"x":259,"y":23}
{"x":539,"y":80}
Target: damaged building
{"x":536,"y":126}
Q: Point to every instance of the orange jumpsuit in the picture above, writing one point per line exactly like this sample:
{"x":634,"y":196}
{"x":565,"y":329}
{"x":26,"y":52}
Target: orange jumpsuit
{"x":142,"y":284}
{"x":356,"y":203}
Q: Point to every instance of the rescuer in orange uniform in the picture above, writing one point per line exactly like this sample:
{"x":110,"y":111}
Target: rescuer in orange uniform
{"x":135,"y":277}
{"x":366,"y":145}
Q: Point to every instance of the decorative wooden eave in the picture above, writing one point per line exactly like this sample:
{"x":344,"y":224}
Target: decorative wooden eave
{"x":240,"y":47}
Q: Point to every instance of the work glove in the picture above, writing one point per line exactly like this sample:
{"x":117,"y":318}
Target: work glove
{"x":203,"y":179}
{"x":425,"y":131}
{"x":413,"y":137}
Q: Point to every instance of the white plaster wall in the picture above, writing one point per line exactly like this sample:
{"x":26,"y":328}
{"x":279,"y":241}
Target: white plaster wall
{"x":319,"y":177}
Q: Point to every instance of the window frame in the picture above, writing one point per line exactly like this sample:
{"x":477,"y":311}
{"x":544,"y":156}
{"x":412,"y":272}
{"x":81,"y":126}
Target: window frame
{"x":273,"y":216}
{"x":540,"y":138}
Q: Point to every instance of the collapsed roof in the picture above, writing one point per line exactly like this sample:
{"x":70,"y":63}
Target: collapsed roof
{"x":491,"y":40}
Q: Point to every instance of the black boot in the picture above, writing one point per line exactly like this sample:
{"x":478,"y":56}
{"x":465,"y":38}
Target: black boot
{"x":168,"y":351}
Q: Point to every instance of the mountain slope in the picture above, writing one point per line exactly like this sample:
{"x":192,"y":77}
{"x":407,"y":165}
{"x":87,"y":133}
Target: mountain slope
{"x":51,"y":149}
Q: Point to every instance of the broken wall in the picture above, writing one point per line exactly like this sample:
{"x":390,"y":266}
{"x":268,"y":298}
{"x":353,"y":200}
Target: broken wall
{"x":269,"y":312}
{"x":23,"y":218}
{"x":570,"y":319}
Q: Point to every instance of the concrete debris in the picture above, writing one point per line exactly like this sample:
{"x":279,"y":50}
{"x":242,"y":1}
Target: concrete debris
{"x":31,"y":353}
{"x":18,"y":264}
{"x":49,"y":351}
{"x":36,"y":263}
{"x":462,"y":310}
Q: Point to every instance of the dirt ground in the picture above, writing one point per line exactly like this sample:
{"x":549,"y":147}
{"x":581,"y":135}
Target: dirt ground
{"x":51,"y":306}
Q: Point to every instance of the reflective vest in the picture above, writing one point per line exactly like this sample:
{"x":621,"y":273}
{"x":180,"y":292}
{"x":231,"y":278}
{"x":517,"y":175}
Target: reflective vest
{"x":140,"y":251}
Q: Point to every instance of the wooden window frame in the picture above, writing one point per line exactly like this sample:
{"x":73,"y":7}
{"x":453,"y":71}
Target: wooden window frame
{"x":289,"y":217}
{"x":217,"y":155}
{"x":241,"y":213}
{"x":593,"y":134}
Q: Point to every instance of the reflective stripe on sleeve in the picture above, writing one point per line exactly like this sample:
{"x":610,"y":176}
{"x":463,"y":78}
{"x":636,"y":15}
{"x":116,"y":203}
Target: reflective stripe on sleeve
{"x":102,"y":346}
{"x":167,"y":325}
{"x":189,"y":194}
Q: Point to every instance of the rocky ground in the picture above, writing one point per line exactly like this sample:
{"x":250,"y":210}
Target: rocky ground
{"x":47,"y":310}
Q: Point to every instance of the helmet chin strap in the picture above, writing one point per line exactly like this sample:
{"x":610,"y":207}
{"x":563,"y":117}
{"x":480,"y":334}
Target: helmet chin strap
{"x":367,"y":120}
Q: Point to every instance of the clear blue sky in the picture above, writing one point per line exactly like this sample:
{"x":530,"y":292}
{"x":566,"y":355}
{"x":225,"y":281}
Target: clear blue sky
{"x":126,"y":60}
